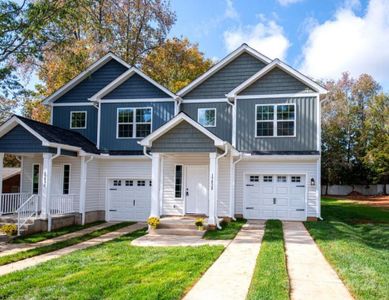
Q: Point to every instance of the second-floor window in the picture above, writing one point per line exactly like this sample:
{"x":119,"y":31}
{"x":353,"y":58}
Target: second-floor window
{"x":207,"y":117}
{"x":275,"y":120}
{"x":134,"y":122}
{"x":78,"y":119}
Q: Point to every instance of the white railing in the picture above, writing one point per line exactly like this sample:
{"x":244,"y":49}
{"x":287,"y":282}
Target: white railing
{"x":62,"y":204}
{"x":27,"y":211}
{"x":10,"y":202}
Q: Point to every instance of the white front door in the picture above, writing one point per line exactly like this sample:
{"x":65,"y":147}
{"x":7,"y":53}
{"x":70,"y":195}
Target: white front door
{"x":196,"y":189}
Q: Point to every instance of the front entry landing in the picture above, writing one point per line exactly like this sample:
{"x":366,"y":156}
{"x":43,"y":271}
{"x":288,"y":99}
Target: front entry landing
{"x":196,"y":189}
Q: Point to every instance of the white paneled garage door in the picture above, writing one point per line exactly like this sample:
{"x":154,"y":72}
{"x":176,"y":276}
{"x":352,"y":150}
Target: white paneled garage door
{"x":129,"y":199}
{"x":275,"y":197}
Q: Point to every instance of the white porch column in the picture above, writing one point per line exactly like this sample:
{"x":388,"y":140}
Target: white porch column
{"x":1,"y":180}
{"x":83,"y":188}
{"x":46,"y":184}
{"x":155,"y":179}
{"x":212,"y":188}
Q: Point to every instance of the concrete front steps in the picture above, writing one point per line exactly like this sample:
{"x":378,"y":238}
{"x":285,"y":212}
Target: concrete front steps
{"x":181,"y":226}
{"x":13,"y":219}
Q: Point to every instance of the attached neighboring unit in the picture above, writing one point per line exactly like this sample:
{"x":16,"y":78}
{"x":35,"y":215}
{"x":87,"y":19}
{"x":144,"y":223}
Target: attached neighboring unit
{"x":243,"y":139}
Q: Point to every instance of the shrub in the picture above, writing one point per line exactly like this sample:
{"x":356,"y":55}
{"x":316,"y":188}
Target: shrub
{"x":9,"y":229}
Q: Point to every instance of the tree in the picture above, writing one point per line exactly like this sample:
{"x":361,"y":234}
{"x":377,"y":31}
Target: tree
{"x":175,"y":63}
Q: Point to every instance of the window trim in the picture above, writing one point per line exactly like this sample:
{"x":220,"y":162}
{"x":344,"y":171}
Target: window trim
{"x":182,"y":181}
{"x":39,"y":178}
{"x":275,"y":105}
{"x":205,"y":109}
{"x":63,"y":177}
{"x":133,"y":137}
{"x":78,"y":111}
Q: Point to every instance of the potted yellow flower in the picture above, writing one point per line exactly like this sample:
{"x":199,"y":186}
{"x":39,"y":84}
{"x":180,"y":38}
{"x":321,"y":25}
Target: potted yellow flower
{"x":200,"y":224}
{"x":153,"y":222}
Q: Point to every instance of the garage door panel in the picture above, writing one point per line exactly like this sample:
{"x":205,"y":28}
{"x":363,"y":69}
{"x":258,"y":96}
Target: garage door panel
{"x":282,"y":214}
{"x":268,"y":190}
{"x":282,"y":201}
{"x":282,"y":190}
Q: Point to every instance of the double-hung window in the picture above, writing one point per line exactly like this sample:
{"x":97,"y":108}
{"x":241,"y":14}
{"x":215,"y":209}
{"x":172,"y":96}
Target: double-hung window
{"x":206,"y":117}
{"x":275,"y":120}
{"x":78,"y":120}
{"x":134,"y":122}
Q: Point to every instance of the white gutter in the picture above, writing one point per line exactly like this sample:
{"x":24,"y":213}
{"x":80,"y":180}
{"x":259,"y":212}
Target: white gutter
{"x":232,"y":185}
{"x":217,"y":186}
{"x":145,"y":152}
{"x":49,"y":202}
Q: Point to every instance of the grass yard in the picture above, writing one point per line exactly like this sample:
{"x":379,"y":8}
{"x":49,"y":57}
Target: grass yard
{"x":41,"y":236}
{"x":270,"y":280}
{"x":228,"y":231}
{"x":355,"y":240}
{"x":59,"y":245}
{"x":114,"y":270}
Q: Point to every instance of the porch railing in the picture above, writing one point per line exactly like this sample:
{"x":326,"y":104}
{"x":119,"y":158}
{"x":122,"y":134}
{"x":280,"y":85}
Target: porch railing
{"x":62,"y":204}
{"x":27,"y":211}
{"x":10,"y":202}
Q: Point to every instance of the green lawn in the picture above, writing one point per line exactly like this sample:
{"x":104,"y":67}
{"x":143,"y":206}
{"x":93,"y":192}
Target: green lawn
{"x":114,"y":270}
{"x":228,"y":231}
{"x":270,"y":280}
{"x":59,"y":245}
{"x":355,"y":240}
{"x":41,"y":236}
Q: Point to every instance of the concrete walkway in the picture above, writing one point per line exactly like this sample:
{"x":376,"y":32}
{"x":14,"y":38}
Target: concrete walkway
{"x":311,"y":276}
{"x":176,"y":241}
{"x":8,"y":249}
{"x":230,"y":276}
{"x":29,"y":262}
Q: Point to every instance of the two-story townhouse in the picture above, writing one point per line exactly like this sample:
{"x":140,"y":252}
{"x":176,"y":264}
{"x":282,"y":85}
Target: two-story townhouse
{"x":243,"y":139}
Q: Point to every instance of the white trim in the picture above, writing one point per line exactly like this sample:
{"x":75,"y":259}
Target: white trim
{"x":205,"y":109}
{"x":230,"y":57}
{"x":277,"y":63}
{"x":98,"y":126}
{"x":71,"y":119}
{"x":134,"y":122}
{"x":51,"y":115}
{"x":280,"y":157}
{"x":318,"y":187}
{"x":72,"y":83}
{"x":205,"y":101}
{"x":234,"y":125}
{"x":126,"y":75}
{"x":148,"y":141}
{"x":275,"y":121}
{"x":136,"y":100}
{"x":72,"y":104}
{"x":120,"y":157}
{"x":318,"y":123}
{"x":267,"y":96}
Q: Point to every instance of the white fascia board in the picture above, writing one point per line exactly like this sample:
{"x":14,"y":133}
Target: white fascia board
{"x":136,"y":100}
{"x":122,"y":78}
{"x":147,"y":141}
{"x":276,"y":63}
{"x":72,"y":83}
{"x":265,"y":96}
{"x":72,"y":104}
{"x":211,"y":100}
{"x":247,"y":156}
{"x":121,"y":157}
{"x":221,"y":64}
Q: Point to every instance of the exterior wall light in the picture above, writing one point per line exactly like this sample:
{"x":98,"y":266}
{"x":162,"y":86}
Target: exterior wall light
{"x":312,"y":181}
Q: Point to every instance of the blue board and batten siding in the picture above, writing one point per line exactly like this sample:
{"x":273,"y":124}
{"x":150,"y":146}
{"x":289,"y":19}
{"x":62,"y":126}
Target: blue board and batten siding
{"x":136,"y":87}
{"x":223,"y":128}
{"x":94,"y":83}
{"x":183,"y":138}
{"x":227,"y":78}
{"x":162,"y":112}
{"x":61,"y":118}
{"x":306,"y":126}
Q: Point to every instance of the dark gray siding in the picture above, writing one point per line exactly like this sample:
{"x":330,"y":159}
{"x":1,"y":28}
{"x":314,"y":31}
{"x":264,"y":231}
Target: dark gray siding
{"x":94,"y":83}
{"x":223,"y":127}
{"x":19,"y":140}
{"x":61,"y":118}
{"x":228,"y":78}
{"x":276,"y":82}
{"x":306,"y":127}
{"x":162,"y":112}
{"x":136,"y":87}
{"x":183,"y":138}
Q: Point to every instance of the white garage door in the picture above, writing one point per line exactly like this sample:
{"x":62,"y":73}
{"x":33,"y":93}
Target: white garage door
{"x":129,"y":199}
{"x":275,"y":197}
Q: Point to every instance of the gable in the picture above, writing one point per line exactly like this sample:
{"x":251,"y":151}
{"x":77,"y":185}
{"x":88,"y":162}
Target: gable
{"x":276,"y":81}
{"x":227,"y":78}
{"x":183,"y":138}
{"x":19,"y":140}
{"x":93,"y":83}
{"x":136,"y":87}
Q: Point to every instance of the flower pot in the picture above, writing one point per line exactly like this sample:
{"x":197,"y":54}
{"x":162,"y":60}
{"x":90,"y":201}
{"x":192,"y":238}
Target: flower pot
{"x":152,"y":229}
{"x":200,"y":228}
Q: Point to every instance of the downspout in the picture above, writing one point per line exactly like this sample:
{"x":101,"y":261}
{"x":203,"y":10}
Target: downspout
{"x":145,"y":152}
{"x":232,"y":186}
{"x":177,"y":105}
{"x":49,"y":187}
{"x":217,"y":186}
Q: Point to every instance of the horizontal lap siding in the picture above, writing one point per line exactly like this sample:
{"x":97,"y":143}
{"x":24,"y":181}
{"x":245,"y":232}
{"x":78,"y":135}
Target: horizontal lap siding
{"x":227,"y":78}
{"x":26,"y":179}
{"x":223,"y":127}
{"x":279,"y":167}
{"x":223,"y":197}
{"x":306,"y":126}
{"x":183,"y":138}
{"x":276,"y":82}
{"x":93,"y":201}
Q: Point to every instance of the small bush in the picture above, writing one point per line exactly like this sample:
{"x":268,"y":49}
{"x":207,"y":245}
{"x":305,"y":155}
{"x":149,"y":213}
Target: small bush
{"x":9,"y":229}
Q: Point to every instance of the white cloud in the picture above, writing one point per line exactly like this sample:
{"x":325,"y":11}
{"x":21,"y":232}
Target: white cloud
{"x":348,"y":42}
{"x":287,"y":2}
{"x":267,"y":37}
{"x":230,"y":11}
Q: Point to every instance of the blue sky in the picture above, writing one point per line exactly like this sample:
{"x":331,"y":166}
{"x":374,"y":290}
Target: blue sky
{"x":322,"y":38}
